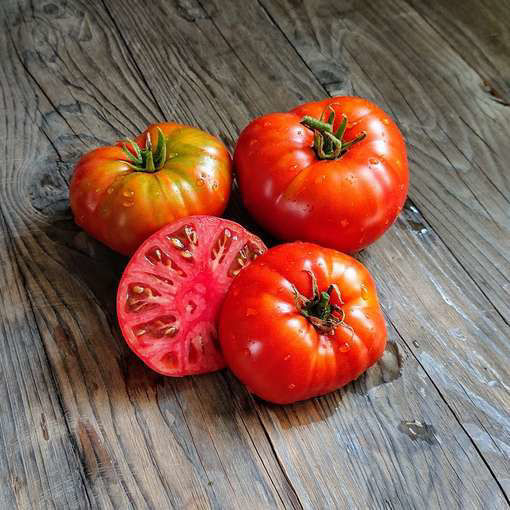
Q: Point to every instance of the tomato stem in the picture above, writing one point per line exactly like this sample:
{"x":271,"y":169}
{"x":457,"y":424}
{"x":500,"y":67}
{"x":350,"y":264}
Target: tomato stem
{"x":148,"y":159}
{"x":329,"y":145}
{"x":320,"y":312}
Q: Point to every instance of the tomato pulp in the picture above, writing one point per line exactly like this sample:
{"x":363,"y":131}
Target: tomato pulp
{"x":301,"y":321}
{"x":333,"y":172}
{"x":172,"y":288}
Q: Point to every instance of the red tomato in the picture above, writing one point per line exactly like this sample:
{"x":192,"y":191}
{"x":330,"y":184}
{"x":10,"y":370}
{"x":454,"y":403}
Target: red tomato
{"x":124,"y":193}
{"x":301,"y":321}
{"x":340,"y":183}
{"x":171,"y":290}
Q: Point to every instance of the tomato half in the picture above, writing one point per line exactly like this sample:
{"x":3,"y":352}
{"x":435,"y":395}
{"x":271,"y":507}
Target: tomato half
{"x":172,"y":288}
{"x":333,"y":172}
{"x":122,"y":194}
{"x":301,"y":321}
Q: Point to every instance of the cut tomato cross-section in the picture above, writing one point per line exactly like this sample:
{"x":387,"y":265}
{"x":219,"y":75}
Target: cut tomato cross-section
{"x":172,"y":288}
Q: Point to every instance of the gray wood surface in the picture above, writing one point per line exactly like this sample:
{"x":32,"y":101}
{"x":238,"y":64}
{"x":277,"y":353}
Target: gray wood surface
{"x":84,"y":424}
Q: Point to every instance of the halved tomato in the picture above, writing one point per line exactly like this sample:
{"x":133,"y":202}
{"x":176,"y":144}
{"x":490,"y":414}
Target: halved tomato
{"x":172,"y":288}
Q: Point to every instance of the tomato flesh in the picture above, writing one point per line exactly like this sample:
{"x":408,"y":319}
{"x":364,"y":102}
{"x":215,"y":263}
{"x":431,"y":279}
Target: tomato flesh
{"x":172,"y":289}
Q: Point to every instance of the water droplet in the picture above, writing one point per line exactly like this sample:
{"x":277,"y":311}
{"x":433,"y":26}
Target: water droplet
{"x":253,"y":142}
{"x":373,"y":161}
{"x":292,"y":386}
{"x":286,"y":357}
{"x":344,"y":223}
{"x":345,"y":347}
{"x":200,"y":182}
{"x":386,"y":121}
{"x":364,"y":293}
{"x":293,"y":167}
{"x":128,"y":193}
{"x":267,"y":124}
{"x":110,"y":190}
{"x":128,"y":203}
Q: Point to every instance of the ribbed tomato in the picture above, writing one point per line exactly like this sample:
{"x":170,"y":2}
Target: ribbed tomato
{"x":332,"y":172}
{"x":172,"y":288}
{"x":301,"y":321}
{"x":122,"y":194}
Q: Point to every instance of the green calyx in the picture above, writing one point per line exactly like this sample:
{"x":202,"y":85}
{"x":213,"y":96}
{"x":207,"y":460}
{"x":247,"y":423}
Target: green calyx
{"x":320,"y":312}
{"x":149,"y":159}
{"x":327,"y":143}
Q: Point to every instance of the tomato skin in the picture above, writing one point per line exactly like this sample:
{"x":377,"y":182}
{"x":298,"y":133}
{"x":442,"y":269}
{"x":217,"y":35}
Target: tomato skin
{"x":121,"y":207}
{"x":274,"y":350}
{"x":345,"y":203}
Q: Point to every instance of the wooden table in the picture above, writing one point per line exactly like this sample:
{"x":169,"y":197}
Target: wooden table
{"x":84,"y":424}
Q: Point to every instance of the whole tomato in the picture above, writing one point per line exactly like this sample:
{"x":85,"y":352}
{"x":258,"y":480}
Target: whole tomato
{"x":333,"y":172}
{"x":301,"y":321}
{"x":124,"y":193}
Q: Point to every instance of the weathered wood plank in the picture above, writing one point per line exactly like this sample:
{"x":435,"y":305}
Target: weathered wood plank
{"x":150,"y":441}
{"x":478,"y":31}
{"x":67,"y":378}
{"x":249,"y":39}
{"x":457,"y":135}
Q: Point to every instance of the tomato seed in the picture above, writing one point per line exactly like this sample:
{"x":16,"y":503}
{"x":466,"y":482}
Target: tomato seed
{"x":177,"y":242}
{"x":137,"y":289}
{"x":187,"y":254}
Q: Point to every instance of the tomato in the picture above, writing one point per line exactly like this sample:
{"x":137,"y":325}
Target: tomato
{"x":122,"y":194}
{"x":171,"y":290}
{"x":301,"y":321}
{"x":333,"y":172}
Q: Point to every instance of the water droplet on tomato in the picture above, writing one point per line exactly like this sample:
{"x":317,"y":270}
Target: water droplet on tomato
{"x":128,"y":203}
{"x":345,"y":347}
{"x":286,"y":357}
{"x":110,"y":190}
{"x":344,"y":223}
{"x":128,"y":193}
{"x":292,"y":386}
{"x":373,"y":161}
{"x":214,"y":185}
{"x":267,"y":124}
{"x":364,"y":293}
{"x":200,"y":182}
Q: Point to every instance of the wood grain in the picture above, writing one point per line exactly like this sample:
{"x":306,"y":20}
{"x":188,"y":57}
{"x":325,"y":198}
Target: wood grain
{"x":86,"y":424}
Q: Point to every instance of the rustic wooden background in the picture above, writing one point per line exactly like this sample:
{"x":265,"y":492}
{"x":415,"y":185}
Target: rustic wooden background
{"x":84,"y":424}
